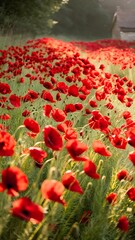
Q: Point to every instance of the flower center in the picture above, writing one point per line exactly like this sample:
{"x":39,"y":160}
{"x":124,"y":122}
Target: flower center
{"x":2,"y":145}
{"x":25,"y":212}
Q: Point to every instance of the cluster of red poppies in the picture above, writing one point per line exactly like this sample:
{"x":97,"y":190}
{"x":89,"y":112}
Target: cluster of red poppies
{"x":113,"y":51}
{"x":79,"y":109}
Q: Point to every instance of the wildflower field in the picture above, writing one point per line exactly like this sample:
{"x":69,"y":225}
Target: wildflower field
{"x":67,"y":140}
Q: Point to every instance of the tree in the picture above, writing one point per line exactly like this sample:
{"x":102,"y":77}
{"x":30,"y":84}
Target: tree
{"x":33,"y":16}
{"x":82,"y":19}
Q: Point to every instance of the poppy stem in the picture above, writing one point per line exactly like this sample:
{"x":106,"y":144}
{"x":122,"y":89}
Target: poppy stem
{"x":36,"y":230}
{"x":20,"y":127}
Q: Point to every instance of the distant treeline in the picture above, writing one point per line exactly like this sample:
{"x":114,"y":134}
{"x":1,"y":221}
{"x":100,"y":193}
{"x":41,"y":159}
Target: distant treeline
{"x":83,"y":19}
{"x":28,"y":16}
{"x":88,"y":19}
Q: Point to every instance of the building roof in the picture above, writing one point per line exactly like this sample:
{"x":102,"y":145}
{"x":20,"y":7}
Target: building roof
{"x":126,"y":19}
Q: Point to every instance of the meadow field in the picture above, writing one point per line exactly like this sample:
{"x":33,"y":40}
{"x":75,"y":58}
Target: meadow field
{"x":67,"y":140}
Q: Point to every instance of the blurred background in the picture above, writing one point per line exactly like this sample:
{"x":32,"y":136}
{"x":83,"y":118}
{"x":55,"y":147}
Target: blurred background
{"x":70,"y":19}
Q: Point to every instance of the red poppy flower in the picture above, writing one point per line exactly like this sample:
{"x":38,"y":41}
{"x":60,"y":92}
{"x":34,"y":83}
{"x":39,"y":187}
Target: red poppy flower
{"x":118,"y":141}
{"x":109,"y":105}
{"x":130,"y":134}
{"x":47,"y":110}
{"x":126,"y":114}
{"x":3,"y":99}
{"x":131,"y":193}
{"x":102,"y":67}
{"x":70,"y":133}
{"x":15,"y":100}
{"x":85,"y":217}
{"x":58,"y":97}
{"x":92,"y":103}
{"x":32,"y":125}
{"x":87,"y":83}
{"x":47,"y":96}
{"x":2,"y":127}
{"x":7,"y":144}
{"x":131,"y":157}
{"x":53,"y":190}
{"x":4,"y":88}
{"x":26,"y":113}
{"x":73,"y":91}
{"x":64,"y":126}
{"x":30,"y":96}
{"x":98,"y":121}
{"x":61,"y":87}
{"x":48,"y":85}
{"x":129,"y":123}
{"x":31,"y":134}
{"x":87,"y":111}
{"x":75,"y":149}
{"x":108,"y":87}
{"x":28,"y":75}
{"x":5,"y":116}
{"x":37,"y":154}
{"x":70,"y":182}
{"x":21,"y":80}
{"x":122,"y":174}
{"x":100,"y":95}
{"x":70,"y":108}
{"x":13,"y":180}
{"x":123,"y":224}
{"x":25,"y":209}
{"x":78,"y":106}
{"x":84,"y":90}
{"x":58,"y":115}
{"x":121,"y":97}
{"x":53,"y":80}
{"x":100,"y":148}
{"x":108,"y":76}
{"x":111,"y":197}
{"x":52,"y":138}
{"x":76,"y":71}
{"x":69,"y":79}
{"x":82,"y":97}
{"x":90,"y":169}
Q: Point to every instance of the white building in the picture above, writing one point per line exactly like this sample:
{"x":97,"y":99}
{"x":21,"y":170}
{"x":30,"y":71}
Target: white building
{"x":123,"y":26}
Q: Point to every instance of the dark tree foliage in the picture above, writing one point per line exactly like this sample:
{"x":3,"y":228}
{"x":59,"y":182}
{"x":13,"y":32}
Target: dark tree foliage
{"x":28,"y":16}
{"x":84,"y":19}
